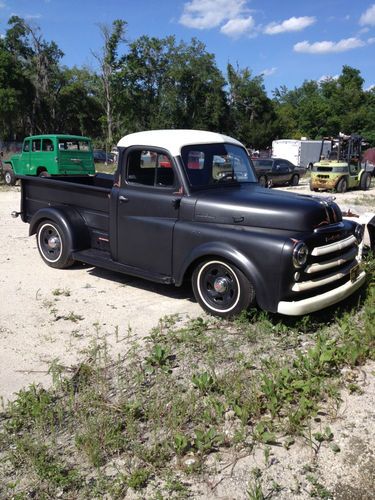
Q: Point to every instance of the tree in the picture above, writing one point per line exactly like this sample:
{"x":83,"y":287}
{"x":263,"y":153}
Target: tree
{"x":169,"y":85}
{"x":78,"y":107}
{"x":15,"y":93}
{"x":109,"y":64}
{"x":40,"y":62}
{"x":252,"y":115}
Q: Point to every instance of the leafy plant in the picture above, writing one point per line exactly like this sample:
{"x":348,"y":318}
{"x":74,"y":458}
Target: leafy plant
{"x":204,"y":382}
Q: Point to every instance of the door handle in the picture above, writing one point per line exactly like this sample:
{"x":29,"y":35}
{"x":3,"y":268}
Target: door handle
{"x":123,"y":199}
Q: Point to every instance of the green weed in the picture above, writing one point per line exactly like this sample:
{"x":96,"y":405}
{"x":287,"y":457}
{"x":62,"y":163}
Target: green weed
{"x":142,"y":414}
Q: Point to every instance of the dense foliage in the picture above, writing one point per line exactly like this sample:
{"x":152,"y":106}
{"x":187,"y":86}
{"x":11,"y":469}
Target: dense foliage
{"x":161,"y":83}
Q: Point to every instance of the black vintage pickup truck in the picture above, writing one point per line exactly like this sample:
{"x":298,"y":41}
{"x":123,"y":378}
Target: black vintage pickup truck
{"x":186,"y":204}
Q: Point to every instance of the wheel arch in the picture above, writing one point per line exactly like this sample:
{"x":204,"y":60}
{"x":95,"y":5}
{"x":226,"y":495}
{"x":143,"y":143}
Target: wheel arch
{"x":69,"y":219}
{"x":228,"y":254}
{"x":9,"y":164}
{"x":345,"y":177}
{"x":41,"y":169}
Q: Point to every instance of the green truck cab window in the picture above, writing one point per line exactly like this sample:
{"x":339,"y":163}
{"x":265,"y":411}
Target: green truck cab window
{"x":52,"y":154}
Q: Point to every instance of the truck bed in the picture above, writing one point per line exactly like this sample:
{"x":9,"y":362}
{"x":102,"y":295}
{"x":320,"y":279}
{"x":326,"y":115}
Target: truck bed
{"x":88,"y":195}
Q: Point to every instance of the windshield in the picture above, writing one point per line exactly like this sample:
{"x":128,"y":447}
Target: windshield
{"x":208,"y":165}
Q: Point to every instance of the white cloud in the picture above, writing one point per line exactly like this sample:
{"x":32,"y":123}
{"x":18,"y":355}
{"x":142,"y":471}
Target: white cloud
{"x":324,"y":78}
{"x":368,"y":17}
{"x":371,"y":40}
{"x":370,"y":87}
{"x":291,"y":24}
{"x":326,"y":47}
{"x":2,"y":5}
{"x":363,"y":31}
{"x":268,"y":71}
{"x":32,"y":16}
{"x":238,"y":27}
{"x":205,"y":14}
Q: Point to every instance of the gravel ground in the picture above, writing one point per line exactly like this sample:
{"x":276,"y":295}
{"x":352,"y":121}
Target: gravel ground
{"x":38,"y":326}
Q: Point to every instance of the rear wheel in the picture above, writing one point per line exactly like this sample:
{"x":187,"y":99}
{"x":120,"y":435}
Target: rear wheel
{"x":342,"y":185}
{"x":221,"y":288}
{"x":53,"y":245}
{"x":9,"y":176}
{"x":365,"y":181}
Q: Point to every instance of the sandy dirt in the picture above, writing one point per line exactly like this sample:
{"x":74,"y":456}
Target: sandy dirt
{"x":48,"y":314}
{"x":37,"y":326}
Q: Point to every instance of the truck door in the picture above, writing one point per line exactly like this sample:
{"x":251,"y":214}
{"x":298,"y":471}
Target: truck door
{"x":24,"y":161}
{"x":148,"y":209}
{"x":280,"y":172}
{"x":36,"y":156}
{"x":286,"y":171}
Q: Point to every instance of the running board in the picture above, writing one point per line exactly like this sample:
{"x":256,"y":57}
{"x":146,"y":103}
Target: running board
{"x":101,"y":258}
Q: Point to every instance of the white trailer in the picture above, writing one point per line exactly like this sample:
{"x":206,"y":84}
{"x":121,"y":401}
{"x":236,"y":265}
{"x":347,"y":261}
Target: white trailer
{"x":302,"y":153}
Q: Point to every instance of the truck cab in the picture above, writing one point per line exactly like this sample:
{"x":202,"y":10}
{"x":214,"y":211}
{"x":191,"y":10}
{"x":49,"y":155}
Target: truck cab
{"x":46,"y":155}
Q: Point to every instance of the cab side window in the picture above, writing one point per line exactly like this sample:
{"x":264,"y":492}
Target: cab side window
{"x":149,"y":168}
{"x":36,"y":145}
{"x":285,"y":166}
{"x":26,"y":147}
{"x":47,"y":145}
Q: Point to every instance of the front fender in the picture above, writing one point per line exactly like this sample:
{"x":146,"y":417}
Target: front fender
{"x":226,"y":252}
{"x":69,"y":219}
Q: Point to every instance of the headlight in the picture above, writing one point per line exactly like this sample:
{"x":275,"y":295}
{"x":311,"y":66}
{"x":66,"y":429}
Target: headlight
{"x":300,"y":253}
{"x":358,"y":232}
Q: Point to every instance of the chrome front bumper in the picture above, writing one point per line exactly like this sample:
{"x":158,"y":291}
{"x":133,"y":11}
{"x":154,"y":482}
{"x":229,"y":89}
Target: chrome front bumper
{"x":312,"y":304}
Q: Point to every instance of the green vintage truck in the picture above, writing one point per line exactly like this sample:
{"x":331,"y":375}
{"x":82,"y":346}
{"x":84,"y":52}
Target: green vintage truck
{"x":52,"y":154}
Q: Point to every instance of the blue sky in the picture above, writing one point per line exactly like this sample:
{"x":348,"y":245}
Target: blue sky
{"x":287,"y":42}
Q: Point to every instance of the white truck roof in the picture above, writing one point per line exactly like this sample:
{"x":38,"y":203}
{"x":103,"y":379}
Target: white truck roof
{"x":173,"y":140}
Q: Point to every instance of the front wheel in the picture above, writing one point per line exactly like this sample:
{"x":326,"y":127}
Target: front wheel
{"x":295,"y":180}
{"x":221,"y":288}
{"x":365,"y":181}
{"x":342,"y":185}
{"x":44,"y":173}
{"x":53,"y":245}
{"x":9,"y":176}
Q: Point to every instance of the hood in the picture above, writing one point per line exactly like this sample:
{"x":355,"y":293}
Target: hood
{"x":252,"y":205}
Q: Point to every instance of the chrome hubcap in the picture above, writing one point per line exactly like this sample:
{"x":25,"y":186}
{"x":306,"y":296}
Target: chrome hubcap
{"x":53,"y":242}
{"x":221,"y":285}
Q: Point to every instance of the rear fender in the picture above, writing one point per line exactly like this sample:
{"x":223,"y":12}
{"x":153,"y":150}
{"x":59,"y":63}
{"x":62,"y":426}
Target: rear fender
{"x":69,"y":219}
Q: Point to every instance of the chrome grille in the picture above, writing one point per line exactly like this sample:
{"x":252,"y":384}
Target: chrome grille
{"x":328,"y":264}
